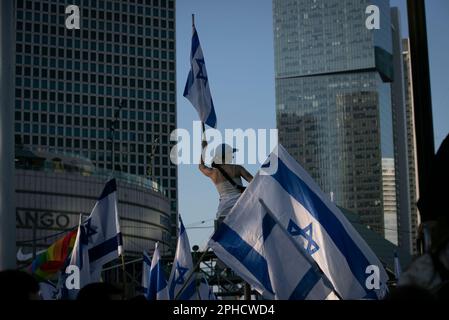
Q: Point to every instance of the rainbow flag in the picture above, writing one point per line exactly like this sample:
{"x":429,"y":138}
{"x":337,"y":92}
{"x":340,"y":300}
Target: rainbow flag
{"x":47,"y":264}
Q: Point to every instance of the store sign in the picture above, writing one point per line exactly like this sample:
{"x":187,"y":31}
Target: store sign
{"x":44,"y":219}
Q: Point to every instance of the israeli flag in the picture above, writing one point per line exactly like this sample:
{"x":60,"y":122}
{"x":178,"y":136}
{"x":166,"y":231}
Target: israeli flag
{"x":80,"y":259}
{"x":182,"y":285}
{"x":102,"y":227}
{"x":197,"y":89}
{"x":153,"y":277}
{"x":253,"y":244}
{"x":312,"y":222}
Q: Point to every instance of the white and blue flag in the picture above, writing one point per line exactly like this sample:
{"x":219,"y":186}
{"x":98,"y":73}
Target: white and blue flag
{"x":283,"y":209}
{"x":98,"y":241}
{"x":80,"y":259}
{"x":102,"y":228}
{"x":197,"y":89}
{"x":154,"y":282}
{"x":181,"y":285}
{"x":252,"y":243}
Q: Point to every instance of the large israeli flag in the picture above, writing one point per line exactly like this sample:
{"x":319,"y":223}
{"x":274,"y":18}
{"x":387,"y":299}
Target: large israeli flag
{"x":104,"y":239}
{"x":197,"y":89}
{"x":311,"y":220}
{"x":258,"y":249}
{"x":182,"y":286}
{"x":153,"y":277}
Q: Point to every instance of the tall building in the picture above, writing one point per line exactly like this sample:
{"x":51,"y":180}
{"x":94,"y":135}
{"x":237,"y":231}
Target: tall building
{"x":411,"y":143}
{"x":333,"y":97}
{"x":401,"y":163}
{"x":111,"y":80}
{"x":390,"y":204}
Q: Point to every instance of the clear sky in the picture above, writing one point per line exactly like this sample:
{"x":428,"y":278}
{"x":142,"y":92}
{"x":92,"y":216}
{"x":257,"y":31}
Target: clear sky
{"x":237,"y":41}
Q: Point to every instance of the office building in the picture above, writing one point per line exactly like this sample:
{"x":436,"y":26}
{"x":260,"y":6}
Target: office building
{"x":106,"y":88}
{"x":333,"y":97}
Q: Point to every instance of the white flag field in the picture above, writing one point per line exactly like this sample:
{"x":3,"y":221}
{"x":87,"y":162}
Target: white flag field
{"x":289,"y":241}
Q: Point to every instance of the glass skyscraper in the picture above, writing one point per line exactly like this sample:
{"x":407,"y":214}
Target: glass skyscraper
{"x":333,"y":97}
{"x":70,"y":84}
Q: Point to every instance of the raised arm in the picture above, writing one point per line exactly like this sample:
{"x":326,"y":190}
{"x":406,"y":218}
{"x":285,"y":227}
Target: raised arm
{"x":202,"y":166}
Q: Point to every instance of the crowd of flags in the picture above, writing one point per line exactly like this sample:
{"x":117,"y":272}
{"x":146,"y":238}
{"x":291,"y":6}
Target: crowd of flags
{"x":284,"y":237}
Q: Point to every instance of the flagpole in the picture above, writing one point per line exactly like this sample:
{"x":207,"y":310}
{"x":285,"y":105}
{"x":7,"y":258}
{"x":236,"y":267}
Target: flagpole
{"x":193,"y":20}
{"x":301,"y":250}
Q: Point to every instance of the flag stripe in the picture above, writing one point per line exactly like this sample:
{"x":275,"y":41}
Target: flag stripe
{"x":299,"y":190}
{"x":104,"y":248}
{"x":242,"y":251}
{"x":305,"y":285}
{"x":110,"y":187}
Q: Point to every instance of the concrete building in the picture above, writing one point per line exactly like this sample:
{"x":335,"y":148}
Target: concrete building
{"x":333,"y":97}
{"x":52,"y":190}
{"x":390,"y":200}
{"x":411,"y":144}
{"x":106,"y":88}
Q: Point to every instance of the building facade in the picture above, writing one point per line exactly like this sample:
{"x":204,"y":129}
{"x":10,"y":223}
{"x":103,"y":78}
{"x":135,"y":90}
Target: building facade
{"x":411,"y":144}
{"x":390,"y":200}
{"x":106,"y":88}
{"x":333,"y":97}
{"x":52,"y":190}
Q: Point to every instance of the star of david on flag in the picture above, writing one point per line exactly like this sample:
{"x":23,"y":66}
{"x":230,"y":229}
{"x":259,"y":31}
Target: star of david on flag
{"x":197,"y":89}
{"x":297,"y":221}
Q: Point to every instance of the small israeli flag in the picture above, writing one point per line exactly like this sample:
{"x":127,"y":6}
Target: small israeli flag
{"x":180,"y":286}
{"x":197,"y":89}
{"x":102,"y":228}
{"x":153,"y":277}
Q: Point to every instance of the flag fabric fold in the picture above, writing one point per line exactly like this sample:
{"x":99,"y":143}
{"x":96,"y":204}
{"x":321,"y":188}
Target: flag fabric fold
{"x":296,"y":214}
{"x":103,"y":230}
{"x":197,"y":89}
{"x":154,"y":282}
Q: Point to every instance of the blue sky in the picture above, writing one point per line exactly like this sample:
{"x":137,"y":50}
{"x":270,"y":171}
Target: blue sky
{"x":237,"y":41}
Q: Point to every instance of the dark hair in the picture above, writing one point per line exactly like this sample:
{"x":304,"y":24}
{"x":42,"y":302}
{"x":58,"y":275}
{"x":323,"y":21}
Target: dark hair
{"x":17,"y":285}
{"x":98,"y":291}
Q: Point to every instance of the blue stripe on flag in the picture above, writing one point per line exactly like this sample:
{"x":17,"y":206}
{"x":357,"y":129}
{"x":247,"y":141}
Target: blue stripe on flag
{"x":104,"y":248}
{"x":189,"y":83}
{"x":211,"y":120}
{"x":195,"y":43}
{"x":110,"y":187}
{"x":305,"y":285}
{"x":299,"y":190}
{"x":243,"y":252}
{"x":157,"y":281}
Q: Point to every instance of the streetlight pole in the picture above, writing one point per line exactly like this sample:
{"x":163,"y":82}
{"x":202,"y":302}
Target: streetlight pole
{"x":7,"y":189}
